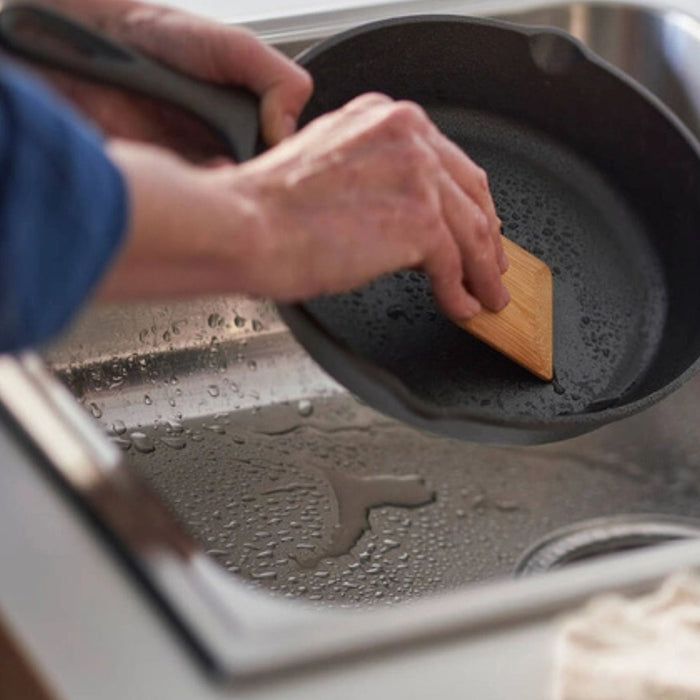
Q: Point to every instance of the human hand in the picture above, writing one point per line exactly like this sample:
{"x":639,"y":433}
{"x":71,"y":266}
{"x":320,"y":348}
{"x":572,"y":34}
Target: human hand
{"x":365,"y":190}
{"x":201,"y":48}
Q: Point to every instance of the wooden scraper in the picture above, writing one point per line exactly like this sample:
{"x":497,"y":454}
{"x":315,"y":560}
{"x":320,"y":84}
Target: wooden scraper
{"x":523,"y":330}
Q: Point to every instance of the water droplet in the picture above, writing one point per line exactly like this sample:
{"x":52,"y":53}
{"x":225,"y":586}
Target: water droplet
{"x":507,"y":505}
{"x":121,"y":443}
{"x":95,"y":410}
{"x":213,"y":390}
{"x":147,"y":400}
{"x":214,"y":320}
{"x":118,"y":427}
{"x":479,"y":501}
{"x":395,"y":312}
{"x":257,"y":325}
{"x":142,"y":442}
{"x":305,"y":408}
{"x":176,"y":442}
{"x":174,"y":427}
{"x":252,"y":365}
{"x":239,"y":321}
{"x":262,"y":575}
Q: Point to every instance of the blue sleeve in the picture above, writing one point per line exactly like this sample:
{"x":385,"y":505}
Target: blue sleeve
{"x":63,"y":211}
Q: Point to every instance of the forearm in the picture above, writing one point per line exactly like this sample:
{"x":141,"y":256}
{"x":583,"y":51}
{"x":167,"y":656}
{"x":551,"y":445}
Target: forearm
{"x":183,"y":236}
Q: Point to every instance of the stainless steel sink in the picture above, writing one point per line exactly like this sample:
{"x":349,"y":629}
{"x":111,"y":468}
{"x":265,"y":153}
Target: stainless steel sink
{"x":292,"y":485}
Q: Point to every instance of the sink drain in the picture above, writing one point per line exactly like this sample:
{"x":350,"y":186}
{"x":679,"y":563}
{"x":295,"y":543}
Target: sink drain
{"x":595,"y":538}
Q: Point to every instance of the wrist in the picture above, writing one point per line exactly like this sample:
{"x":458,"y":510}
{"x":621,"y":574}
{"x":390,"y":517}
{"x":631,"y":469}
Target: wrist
{"x":188,"y":232}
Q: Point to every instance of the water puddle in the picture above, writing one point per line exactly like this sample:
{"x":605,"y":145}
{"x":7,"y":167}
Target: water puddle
{"x":356,"y":496}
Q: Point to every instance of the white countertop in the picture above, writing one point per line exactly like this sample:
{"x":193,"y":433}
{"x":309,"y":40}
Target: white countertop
{"x":254,"y":10}
{"x":246,"y":10}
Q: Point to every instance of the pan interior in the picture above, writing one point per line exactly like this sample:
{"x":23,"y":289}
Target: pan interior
{"x":610,"y":296}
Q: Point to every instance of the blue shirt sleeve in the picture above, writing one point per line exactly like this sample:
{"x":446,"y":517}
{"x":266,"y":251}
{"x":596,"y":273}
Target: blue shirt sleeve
{"x":63,"y":211}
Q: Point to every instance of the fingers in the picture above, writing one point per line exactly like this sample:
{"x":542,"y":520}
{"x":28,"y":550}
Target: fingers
{"x":473,"y":181}
{"x":471,"y":229}
{"x":283,"y":86}
{"x":444,"y":268}
{"x":465,"y":257}
{"x":469,"y":214}
{"x":225,"y":55}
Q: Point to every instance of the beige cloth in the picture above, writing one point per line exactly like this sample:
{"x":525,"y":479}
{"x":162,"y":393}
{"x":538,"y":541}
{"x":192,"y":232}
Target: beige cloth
{"x":646,"y":648}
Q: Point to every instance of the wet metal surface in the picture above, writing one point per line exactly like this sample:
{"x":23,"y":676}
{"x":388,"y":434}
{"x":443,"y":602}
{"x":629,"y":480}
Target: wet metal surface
{"x":256,"y":486}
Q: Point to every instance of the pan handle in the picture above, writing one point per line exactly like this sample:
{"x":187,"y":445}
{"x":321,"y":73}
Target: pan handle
{"x":52,"y":39}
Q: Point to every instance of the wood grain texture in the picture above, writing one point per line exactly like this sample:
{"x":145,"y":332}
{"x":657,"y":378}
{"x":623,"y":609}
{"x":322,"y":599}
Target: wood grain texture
{"x":523,"y":330}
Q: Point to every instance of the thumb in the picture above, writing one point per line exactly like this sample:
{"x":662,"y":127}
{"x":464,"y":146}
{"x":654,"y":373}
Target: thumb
{"x":282,"y":85}
{"x":281,"y":105}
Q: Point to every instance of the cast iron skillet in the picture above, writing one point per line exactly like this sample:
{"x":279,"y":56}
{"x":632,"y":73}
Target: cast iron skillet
{"x":588,"y":170}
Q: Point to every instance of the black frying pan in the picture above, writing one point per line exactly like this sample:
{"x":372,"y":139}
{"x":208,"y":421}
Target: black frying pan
{"x":588,"y":170}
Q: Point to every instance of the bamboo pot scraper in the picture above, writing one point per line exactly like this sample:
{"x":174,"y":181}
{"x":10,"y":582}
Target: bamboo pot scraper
{"x":523,"y":330}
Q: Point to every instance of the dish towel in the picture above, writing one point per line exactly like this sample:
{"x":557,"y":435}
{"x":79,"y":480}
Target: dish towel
{"x":646,"y":648}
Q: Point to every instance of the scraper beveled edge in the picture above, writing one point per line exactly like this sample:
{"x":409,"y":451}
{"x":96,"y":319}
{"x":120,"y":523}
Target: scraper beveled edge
{"x":523,"y":330}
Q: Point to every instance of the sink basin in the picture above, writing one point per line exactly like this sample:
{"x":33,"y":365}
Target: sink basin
{"x":298,"y":490}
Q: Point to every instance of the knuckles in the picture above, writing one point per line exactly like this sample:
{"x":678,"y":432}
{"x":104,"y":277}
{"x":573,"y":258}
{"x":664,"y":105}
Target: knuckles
{"x":410,"y":113}
{"x":452,"y":271}
{"x":367,"y":101}
{"x":478,"y":240}
{"x":404,"y":119}
{"x":482,"y":179}
{"x":481,"y":227}
{"x":303,"y":84}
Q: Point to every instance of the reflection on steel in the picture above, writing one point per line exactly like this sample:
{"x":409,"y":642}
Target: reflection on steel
{"x":602,"y":537}
{"x":661,"y":50}
{"x":152,"y":369}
